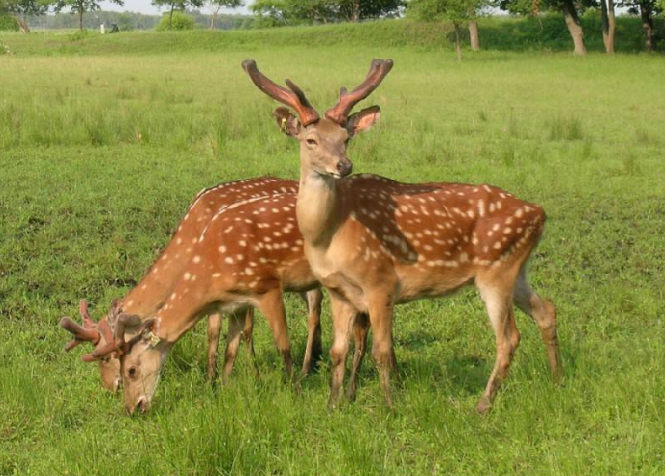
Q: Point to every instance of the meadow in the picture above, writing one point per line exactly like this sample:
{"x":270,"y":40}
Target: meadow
{"x":102,"y":150}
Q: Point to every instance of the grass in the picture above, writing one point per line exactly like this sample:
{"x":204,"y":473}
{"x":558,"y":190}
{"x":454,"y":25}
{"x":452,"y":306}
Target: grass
{"x":100,"y":155}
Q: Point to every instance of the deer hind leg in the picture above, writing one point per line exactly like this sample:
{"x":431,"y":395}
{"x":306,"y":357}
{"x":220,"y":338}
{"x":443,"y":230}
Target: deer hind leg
{"x":214,"y":327}
{"x":236,"y":324}
{"x":271,"y":306}
{"x":360,"y":331}
{"x":543,"y":313}
{"x":498,"y":298}
{"x":313,"y":350}
{"x":342,"y":317}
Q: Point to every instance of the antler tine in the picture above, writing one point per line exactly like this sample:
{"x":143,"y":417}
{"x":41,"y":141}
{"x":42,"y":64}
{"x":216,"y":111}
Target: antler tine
{"x":295,"y":98}
{"x":377,"y":71}
{"x":81,"y":334}
{"x":83,"y":310}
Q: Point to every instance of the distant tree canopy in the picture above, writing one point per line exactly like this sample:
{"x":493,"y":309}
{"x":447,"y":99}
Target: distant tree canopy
{"x":179,"y":21}
{"x":81,"y":6}
{"x":20,"y":10}
{"x":294,"y":12}
{"x":176,"y":5}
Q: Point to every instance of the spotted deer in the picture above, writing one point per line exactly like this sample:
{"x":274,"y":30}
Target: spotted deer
{"x":374,"y":242}
{"x":248,"y":256}
{"x":151,"y":292}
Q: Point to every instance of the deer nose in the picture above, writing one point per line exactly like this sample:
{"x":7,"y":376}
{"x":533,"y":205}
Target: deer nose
{"x":344,"y":167}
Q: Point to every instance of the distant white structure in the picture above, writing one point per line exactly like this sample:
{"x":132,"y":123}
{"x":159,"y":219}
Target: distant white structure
{"x":102,"y":30}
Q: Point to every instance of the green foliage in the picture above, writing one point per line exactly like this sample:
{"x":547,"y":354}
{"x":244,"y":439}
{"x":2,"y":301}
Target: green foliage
{"x":179,"y":22}
{"x":456,"y":11}
{"x":101,"y":162}
{"x":7,"y":23}
{"x":547,"y":32}
{"x":272,"y":13}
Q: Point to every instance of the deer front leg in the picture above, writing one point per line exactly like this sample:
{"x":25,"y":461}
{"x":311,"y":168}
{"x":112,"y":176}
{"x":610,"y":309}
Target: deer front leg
{"x":271,"y":306}
{"x":248,"y":335}
{"x":342,"y":316}
{"x":360,"y":330}
{"x":214,"y":326}
{"x":313,"y":350}
{"x":380,"y":317}
{"x":236,"y":324}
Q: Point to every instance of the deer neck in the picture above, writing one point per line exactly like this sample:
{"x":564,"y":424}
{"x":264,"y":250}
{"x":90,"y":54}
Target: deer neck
{"x":319,"y":208}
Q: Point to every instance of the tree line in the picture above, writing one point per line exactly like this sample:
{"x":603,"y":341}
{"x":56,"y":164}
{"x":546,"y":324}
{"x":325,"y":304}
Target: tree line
{"x":460,"y":13}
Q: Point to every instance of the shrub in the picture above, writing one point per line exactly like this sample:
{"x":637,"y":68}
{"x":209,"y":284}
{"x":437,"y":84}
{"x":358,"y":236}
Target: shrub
{"x":179,"y":22}
{"x":7,"y":23}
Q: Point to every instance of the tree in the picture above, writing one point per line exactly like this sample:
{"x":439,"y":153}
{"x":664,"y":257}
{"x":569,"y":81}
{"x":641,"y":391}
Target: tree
{"x":647,"y":10}
{"x":20,"y":10}
{"x":608,"y":20}
{"x":216,"y":5}
{"x":180,"y":5}
{"x":293,"y":12}
{"x":457,"y":12}
{"x":571,"y":10}
{"x":82,"y":6}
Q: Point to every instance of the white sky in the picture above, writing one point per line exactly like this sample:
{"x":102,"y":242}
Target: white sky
{"x":145,"y":6}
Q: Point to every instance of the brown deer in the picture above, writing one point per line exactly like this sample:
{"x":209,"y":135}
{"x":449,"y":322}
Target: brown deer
{"x":374,"y":242}
{"x":153,"y":289}
{"x":249,"y":254}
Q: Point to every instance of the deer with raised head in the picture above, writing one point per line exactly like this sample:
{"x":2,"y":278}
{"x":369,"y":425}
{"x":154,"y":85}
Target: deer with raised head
{"x":248,"y":256}
{"x":373,"y":242}
{"x":153,"y":289}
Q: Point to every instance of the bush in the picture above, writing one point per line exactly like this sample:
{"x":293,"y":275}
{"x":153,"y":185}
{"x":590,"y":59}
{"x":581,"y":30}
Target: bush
{"x":7,"y":23}
{"x":179,"y":22}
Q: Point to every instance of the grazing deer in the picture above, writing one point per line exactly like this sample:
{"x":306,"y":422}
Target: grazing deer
{"x":248,"y":256}
{"x":153,"y":289}
{"x":374,"y":242}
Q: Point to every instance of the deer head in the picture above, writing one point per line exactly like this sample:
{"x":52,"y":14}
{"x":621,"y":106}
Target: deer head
{"x":98,"y":334}
{"x":141,"y":355}
{"x":323,"y":141}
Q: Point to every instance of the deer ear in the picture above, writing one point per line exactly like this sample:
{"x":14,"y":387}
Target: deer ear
{"x":363,"y":120}
{"x":287,"y":122}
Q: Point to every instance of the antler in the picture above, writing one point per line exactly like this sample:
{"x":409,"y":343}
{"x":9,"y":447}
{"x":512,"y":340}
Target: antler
{"x":87,"y":333}
{"x":295,"y":98}
{"x":377,"y":71}
{"x":116,"y":342}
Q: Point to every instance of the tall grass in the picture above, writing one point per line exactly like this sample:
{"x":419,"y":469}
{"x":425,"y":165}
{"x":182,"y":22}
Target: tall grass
{"x":100,"y":155}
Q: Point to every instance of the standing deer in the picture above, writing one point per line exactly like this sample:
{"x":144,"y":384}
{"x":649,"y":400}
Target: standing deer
{"x":154,"y":288}
{"x":248,"y":256}
{"x":374,"y":242}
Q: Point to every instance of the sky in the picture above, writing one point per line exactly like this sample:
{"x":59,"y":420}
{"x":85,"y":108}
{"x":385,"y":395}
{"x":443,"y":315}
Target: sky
{"x":145,"y":6}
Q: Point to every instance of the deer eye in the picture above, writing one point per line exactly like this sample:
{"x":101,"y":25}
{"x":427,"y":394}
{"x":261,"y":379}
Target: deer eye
{"x":132,"y":372}
{"x":311,"y":142}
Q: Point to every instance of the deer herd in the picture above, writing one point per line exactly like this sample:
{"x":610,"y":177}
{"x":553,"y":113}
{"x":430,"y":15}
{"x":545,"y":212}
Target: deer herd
{"x":370,"y":241}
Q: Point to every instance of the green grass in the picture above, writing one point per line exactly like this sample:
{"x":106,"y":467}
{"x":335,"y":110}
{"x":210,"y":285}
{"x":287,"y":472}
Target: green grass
{"x":100,"y":155}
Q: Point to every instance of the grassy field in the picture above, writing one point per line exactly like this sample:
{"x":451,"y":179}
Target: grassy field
{"x":100,"y":155}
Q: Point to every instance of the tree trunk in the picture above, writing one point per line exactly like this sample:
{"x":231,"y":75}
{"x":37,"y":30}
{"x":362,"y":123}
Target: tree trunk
{"x":80,"y":17}
{"x":473,"y":35}
{"x":355,"y":13}
{"x":458,"y":40}
{"x":608,"y":21}
{"x":212,"y":20}
{"x":22,"y":23}
{"x":647,"y":24}
{"x":574,"y":27}
{"x":171,"y":16}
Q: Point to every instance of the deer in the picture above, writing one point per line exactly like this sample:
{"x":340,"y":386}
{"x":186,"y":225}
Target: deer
{"x":374,"y":242}
{"x":248,"y":256}
{"x":152,"y":290}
